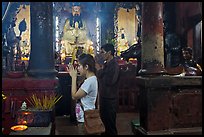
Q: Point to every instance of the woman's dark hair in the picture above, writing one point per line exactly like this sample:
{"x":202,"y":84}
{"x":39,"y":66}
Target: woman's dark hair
{"x":87,"y":59}
{"x":108,"y":47}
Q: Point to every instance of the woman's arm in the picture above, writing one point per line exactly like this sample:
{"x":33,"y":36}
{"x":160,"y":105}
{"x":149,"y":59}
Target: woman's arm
{"x":75,"y":94}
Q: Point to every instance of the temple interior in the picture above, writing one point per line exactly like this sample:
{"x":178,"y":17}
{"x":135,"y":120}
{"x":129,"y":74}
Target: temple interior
{"x":160,"y":91}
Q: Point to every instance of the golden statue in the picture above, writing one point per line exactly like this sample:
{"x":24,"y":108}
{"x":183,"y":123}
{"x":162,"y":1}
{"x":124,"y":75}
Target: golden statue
{"x":73,"y":36}
{"x":74,"y":33}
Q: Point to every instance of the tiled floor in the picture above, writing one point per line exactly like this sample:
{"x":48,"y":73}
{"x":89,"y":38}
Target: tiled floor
{"x":65,"y":127}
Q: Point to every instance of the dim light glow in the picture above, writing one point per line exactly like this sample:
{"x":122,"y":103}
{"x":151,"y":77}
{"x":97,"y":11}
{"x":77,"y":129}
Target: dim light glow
{"x":24,"y":122}
{"x":26,"y":113}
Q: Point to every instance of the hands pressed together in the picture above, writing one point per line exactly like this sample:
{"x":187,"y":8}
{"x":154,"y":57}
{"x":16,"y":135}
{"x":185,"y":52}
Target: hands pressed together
{"x":72,"y":71}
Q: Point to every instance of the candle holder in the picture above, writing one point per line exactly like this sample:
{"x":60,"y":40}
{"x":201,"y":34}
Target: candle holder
{"x":25,"y":117}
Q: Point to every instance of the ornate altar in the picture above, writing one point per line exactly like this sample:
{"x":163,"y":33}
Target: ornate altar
{"x":127,"y":25}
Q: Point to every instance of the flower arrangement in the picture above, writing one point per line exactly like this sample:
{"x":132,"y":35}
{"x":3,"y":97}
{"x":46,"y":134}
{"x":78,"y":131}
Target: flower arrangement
{"x":44,"y":101}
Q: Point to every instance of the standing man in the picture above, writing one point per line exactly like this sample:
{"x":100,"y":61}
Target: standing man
{"x":108,"y":75}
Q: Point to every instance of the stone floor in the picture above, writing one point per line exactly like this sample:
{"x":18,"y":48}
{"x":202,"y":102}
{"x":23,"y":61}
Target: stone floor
{"x":65,"y":127}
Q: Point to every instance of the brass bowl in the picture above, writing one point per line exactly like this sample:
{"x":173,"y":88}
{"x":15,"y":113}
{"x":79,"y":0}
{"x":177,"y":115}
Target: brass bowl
{"x":19,"y":128}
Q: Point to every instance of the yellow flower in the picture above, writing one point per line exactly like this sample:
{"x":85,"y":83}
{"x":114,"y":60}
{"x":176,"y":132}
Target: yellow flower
{"x":3,"y":96}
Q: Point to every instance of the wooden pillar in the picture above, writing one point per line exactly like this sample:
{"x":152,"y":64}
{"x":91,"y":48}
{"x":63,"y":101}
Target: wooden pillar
{"x":167,"y":104}
{"x":41,"y":63}
{"x":152,"y":39}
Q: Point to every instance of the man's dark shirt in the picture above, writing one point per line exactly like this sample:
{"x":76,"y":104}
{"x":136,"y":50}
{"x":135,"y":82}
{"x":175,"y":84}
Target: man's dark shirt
{"x":108,"y":80}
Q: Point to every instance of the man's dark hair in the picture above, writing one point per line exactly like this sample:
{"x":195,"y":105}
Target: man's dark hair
{"x":189,"y":50}
{"x":108,"y":47}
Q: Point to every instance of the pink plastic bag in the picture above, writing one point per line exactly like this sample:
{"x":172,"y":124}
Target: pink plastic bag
{"x":79,"y":113}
